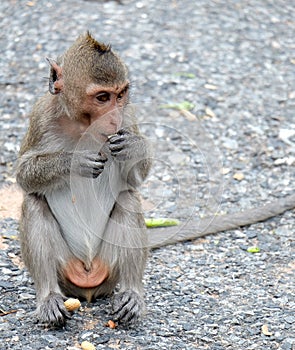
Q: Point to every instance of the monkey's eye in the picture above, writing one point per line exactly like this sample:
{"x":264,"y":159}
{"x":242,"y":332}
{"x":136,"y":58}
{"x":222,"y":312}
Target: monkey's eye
{"x":122,"y":94}
{"x":103,"y":97}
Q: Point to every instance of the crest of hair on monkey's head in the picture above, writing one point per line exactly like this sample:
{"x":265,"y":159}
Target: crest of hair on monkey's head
{"x":99,"y":47}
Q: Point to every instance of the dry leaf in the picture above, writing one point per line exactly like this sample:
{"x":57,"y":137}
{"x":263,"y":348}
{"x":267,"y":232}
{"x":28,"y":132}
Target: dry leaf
{"x":265,"y":331}
{"x":188,"y":115}
{"x":209,"y":112}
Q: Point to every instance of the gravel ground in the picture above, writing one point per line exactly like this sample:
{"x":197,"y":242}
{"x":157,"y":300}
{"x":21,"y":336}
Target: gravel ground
{"x":234,"y":61}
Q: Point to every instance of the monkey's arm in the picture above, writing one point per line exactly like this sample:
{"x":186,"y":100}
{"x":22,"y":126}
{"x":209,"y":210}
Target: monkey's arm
{"x":38,"y":172}
{"x":159,"y":237}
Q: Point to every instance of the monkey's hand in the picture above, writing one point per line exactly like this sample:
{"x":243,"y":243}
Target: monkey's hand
{"x":88,"y":163}
{"x":52,"y":311}
{"x":125,"y":145}
{"x":128,"y":307}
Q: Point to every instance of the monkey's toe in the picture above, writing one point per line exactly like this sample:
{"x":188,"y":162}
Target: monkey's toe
{"x":128,"y":307}
{"x":52,"y":312}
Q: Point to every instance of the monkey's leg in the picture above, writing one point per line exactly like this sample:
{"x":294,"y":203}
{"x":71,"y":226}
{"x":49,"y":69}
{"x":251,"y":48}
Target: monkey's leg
{"x":125,"y":244}
{"x":43,"y":250}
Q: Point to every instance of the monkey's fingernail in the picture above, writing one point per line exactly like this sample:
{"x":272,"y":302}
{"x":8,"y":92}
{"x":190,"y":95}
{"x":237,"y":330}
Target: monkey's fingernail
{"x":110,"y":136}
{"x":72,"y":304}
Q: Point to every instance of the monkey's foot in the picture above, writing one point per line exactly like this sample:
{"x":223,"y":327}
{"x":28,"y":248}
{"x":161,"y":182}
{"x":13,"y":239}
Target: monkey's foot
{"x":52,"y":312}
{"x":128,"y":307}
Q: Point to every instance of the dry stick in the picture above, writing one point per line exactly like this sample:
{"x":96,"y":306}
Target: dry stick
{"x":159,"y":237}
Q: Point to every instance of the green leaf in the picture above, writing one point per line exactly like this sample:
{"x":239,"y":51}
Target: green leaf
{"x":253,"y":250}
{"x":161,"y":222}
{"x":185,"y":105}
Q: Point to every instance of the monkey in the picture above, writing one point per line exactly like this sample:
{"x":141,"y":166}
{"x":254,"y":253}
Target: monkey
{"x":83,"y":153}
{"x":88,"y":95}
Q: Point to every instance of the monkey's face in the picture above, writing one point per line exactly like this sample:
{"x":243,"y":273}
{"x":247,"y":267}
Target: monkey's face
{"x":104,"y":105}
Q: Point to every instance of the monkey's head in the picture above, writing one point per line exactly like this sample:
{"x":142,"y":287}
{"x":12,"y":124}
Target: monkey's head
{"x":91,"y":82}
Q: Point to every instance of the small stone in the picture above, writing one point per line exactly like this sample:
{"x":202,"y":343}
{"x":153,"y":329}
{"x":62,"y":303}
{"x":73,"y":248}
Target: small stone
{"x":230,"y":144}
{"x":265,"y":330}
{"x":290,"y":319}
{"x":225,"y":171}
{"x":86,"y":345}
{"x":239,"y":176}
{"x":210,"y":87}
{"x":209,"y":112}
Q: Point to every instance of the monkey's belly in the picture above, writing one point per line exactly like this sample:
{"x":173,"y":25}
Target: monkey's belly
{"x":76,"y":272}
{"x":82,"y":208}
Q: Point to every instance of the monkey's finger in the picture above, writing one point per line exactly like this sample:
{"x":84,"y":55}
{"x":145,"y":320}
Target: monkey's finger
{"x":129,"y":313}
{"x":60,"y":316}
{"x":91,"y":164}
{"x":98,"y":167}
{"x":98,"y":164}
{"x":96,"y":172}
{"x":116,"y":139}
{"x":102,"y":157}
{"x":121,"y":155}
{"x":119,"y":302}
{"x":123,"y":132}
{"x":127,"y":306}
{"x":116,"y":147}
{"x":88,"y":170}
{"x":88,"y":158}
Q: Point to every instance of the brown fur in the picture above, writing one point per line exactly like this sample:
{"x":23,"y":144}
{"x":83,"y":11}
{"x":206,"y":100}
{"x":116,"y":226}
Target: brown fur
{"x":88,"y":96}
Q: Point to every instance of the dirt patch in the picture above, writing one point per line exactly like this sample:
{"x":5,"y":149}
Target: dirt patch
{"x":10,"y":201}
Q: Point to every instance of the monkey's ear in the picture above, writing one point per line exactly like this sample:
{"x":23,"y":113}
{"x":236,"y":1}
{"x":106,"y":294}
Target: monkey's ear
{"x":55,"y":79}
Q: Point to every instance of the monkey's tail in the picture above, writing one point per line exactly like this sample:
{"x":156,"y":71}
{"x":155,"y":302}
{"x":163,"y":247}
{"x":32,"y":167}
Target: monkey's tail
{"x":159,"y":237}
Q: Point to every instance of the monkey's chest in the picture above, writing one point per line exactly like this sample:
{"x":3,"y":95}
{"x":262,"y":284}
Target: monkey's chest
{"x":83,"y":207}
